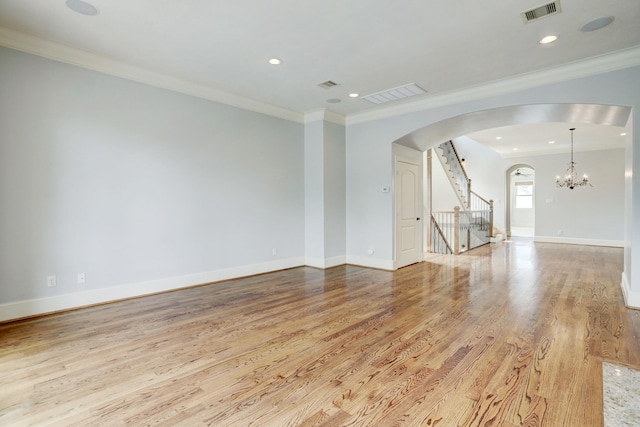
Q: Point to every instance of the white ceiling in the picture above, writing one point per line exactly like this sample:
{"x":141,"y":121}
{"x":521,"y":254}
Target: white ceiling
{"x":365,"y":46}
{"x":532,"y":139}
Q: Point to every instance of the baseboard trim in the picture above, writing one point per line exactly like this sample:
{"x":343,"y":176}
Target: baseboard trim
{"x":37,"y":307}
{"x":380,"y":264}
{"x":631,"y":298}
{"x":325,"y":262}
{"x":577,"y":241}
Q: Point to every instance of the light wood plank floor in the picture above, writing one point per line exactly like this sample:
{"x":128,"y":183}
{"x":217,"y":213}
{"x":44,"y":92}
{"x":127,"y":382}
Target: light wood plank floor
{"x":509,"y":335}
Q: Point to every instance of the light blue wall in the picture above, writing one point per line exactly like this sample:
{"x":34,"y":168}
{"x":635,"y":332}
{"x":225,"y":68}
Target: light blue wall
{"x":129,"y":183}
{"x":594,"y":213}
{"x":335,"y":194}
{"x":314,"y":189}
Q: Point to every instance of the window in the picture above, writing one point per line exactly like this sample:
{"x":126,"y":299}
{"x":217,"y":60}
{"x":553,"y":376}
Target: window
{"x":524,"y":195}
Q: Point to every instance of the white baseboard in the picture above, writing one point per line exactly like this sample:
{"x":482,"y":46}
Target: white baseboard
{"x":577,"y":241}
{"x":34,"y":307}
{"x":631,"y":298}
{"x":380,"y":264}
{"x":325,"y":262}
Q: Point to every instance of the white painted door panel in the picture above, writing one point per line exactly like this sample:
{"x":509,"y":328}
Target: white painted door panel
{"x":408,"y":221}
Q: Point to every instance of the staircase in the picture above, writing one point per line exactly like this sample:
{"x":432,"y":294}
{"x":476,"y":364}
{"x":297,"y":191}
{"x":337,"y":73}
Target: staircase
{"x":469,"y":225}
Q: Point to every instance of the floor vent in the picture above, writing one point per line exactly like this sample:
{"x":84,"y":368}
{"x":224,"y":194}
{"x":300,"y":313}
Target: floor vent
{"x":394,"y":94}
{"x":541,"y":11}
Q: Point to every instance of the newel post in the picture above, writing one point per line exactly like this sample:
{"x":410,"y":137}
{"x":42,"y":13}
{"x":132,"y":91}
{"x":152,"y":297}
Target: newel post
{"x":456,"y":230}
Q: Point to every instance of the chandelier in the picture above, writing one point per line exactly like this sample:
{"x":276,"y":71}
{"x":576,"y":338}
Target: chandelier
{"x":571,"y":179}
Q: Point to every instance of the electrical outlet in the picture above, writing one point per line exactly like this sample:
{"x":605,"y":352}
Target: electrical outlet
{"x":81,"y":278}
{"x":559,"y":232}
{"x":51,"y":282}
{"x":274,"y":252}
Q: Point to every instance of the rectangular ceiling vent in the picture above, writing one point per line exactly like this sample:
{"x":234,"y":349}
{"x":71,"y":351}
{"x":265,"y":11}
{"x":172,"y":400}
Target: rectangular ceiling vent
{"x":328,"y":84}
{"x":541,"y":11}
{"x":394,"y":94}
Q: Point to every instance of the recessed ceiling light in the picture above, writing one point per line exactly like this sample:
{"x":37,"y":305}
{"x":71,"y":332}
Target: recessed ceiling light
{"x":275,"y":61}
{"x":552,"y":142}
{"x":548,"y":39}
{"x":354,"y":95}
{"x":596,"y":24}
{"x":515,"y":148}
{"x":498,"y":137}
{"x":623,"y":134}
{"x":82,"y":7}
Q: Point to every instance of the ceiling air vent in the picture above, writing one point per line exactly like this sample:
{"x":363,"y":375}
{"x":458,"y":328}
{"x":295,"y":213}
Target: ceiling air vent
{"x":394,"y":94}
{"x":541,"y":11}
{"x":328,"y":84}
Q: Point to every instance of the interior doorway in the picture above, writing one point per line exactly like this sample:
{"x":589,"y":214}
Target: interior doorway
{"x":408,"y":207}
{"x":520,"y":195}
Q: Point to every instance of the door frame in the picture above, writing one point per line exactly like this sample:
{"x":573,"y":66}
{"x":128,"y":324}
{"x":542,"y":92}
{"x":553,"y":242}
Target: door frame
{"x":507,"y":205}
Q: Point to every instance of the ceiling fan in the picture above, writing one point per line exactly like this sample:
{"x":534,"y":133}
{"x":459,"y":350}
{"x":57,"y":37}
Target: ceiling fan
{"x":518,"y":173}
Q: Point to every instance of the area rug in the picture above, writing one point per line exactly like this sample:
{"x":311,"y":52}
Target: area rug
{"x":621,"y":396}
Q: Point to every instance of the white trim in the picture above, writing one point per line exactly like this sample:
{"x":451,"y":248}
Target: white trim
{"x":631,"y":298}
{"x":314,"y":116}
{"x":324,"y":115}
{"x":59,"y":52}
{"x":380,"y":264}
{"x":28,"y":308}
{"x":325,"y":262}
{"x":69,"y":55}
{"x":596,"y":65}
{"x":578,"y":241}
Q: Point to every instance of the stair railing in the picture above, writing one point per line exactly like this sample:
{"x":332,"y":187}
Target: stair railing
{"x":460,"y":178}
{"x":457,"y":231}
{"x":461,"y":230}
{"x":439,"y":243}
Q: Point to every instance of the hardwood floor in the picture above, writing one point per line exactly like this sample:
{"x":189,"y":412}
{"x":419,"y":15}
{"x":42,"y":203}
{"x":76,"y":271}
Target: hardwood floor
{"x":504,"y":336}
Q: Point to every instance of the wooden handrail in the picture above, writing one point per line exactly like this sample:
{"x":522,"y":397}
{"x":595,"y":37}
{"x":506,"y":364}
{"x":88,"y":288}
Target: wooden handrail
{"x":460,"y":162}
{"x":480,"y":197}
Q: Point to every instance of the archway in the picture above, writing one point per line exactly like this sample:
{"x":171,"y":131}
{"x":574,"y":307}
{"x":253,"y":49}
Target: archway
{"x":429,"y":136}
{"x":520,"y":200}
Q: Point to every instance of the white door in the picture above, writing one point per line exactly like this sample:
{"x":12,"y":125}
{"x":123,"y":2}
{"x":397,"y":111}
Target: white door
{"x":408,"y":220}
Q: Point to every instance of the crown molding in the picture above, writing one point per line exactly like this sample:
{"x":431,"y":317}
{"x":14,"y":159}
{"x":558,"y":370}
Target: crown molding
{"x":73,"y":56}
{"x":324,"y":115}
{"x":596,"y":65}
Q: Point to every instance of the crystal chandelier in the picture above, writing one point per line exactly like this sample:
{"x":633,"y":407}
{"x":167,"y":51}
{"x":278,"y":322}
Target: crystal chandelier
{"x":571,"y":179}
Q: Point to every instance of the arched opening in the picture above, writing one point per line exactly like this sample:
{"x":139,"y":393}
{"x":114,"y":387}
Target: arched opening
{"x":432,"y":135}
{"x":520,"y":200}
